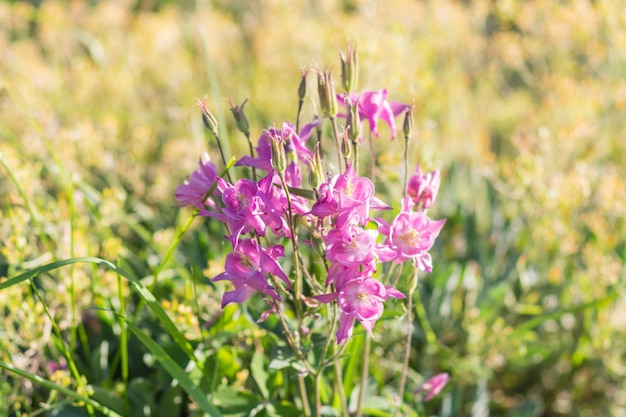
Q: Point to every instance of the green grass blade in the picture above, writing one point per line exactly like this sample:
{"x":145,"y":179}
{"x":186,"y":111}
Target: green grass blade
{"x":175,"y":371}
{"x":145,"y":294}
{"x":65,"y":391}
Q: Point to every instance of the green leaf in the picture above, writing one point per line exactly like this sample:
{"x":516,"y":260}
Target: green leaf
{"x":175,"y":371}
{"x":259,"y":373}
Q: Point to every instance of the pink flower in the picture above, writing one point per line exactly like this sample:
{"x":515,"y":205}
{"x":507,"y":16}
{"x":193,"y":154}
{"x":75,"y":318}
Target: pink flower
{"x":411,"y":235}
{"x":246,"y":268}
{"x":346,"y":196}
{"x":362,"y":299}
{"x":423,"y":187}
{"x":247,"y":206}
{"x":433,"y":386}
{"x":193,"y":192}
{"x":373,"y":105}
{"x":354,"y":246}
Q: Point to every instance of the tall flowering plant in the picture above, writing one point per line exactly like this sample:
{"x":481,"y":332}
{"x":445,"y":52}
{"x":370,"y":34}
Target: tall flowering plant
{"x":275,"y":220}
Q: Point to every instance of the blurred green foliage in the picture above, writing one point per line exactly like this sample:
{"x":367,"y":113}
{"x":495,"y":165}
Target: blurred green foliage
{"x":521,"y":103}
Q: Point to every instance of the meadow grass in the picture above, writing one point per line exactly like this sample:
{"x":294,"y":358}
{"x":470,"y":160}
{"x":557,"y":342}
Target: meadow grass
{"x":107,"y":302}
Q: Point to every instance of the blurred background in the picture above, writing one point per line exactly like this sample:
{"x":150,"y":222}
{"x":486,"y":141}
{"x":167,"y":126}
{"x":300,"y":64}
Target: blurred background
{"x":521,"y":104}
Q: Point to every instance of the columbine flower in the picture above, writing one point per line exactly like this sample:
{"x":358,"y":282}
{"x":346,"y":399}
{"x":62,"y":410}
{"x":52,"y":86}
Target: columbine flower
{"x":246,"y":268}
{"x":423,"y":187}
{"x":346,"y":195}
{"x":411,"y":235}
{"x":354,"y":246}
{"x":247,"y":206}
{"x":193,"y":192}
{"x":433,"y":386}
{"x":362,"y":299}
{"x":373,"y":105}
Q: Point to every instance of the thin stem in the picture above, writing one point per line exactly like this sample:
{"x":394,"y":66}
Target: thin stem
{"x":364,"y":374}
{"x":372,"y":156}
{"x":219,"y":146}
{"x":355,"y":149}
{"x":409,"y":336}
{"x":300,"y":104}
{"x":333,"y":122}
{"x":72,"y":275}
{"x":294,"y":242}
{"x":342,"y":393}
{"x":123,"y":331}
{"x":406,"y":165}
{"x":252,"y":154}
{"x":82,"y":389}
{"x":303,"y":396}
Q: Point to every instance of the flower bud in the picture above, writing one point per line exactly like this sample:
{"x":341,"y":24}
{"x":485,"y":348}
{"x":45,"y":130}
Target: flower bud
{"x":302,"y":87}
{"x":349,"y":69}
{"x":209,"y":121}
{"x":353,"y":121}
{"x":326,"y":91}
{"x":346,"y":147}
{"x":279,"y":161}
{"x":316,"y":169}
{"x":240,"y":118}
{"x":407,"y":126}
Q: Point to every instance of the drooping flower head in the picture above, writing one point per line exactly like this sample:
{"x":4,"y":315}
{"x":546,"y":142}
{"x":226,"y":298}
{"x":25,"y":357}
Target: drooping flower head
{"x":423,"y":187}
{"x":247,"y":267}
{"x":193,"y":192}
{"x":247,"y":206}
{"x":347,"y":196}
{"x":372,"y":106}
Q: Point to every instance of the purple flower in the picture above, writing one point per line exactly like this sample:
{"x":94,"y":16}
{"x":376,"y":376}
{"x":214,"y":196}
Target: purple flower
{"x":246,"y":268}
{"x":423,"y":187}
{"x":411,"y":235}
{"x":373,"y":105}
{"x":433,"y":386}
{"x":193,"y":192}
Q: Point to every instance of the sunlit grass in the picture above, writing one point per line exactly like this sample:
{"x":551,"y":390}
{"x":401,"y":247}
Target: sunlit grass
{"x":520,"y":103}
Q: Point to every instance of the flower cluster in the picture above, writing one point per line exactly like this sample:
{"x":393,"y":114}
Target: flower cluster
{"x":341,"y":220}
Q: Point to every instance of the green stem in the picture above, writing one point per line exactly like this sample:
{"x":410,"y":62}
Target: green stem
{"x":82,"y":389}
{"x":372,"y":157}
{"x":294,"y":242}
{"x":333,"y":123}
{"x":364,"y":374}
{"x":406,"y":165}
{"x":409,"y":336}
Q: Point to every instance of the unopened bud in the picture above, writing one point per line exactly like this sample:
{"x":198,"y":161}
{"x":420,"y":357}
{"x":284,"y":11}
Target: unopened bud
{"x":353,"y":121}
{"x":240,"y":118}
{"x":346,"y":147}
{"x":209,"y":121}
{"x":349,"y":69}
{"x":407,"y":126}
{"x":326,"y":91}
{"x":316,"y":169}
{"x":279,"y":161}
{"x":302,"y":86}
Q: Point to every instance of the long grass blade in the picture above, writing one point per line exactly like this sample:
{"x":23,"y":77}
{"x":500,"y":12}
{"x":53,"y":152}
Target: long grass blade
{"x":175,"y":371}
{"x":65,"y":391}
